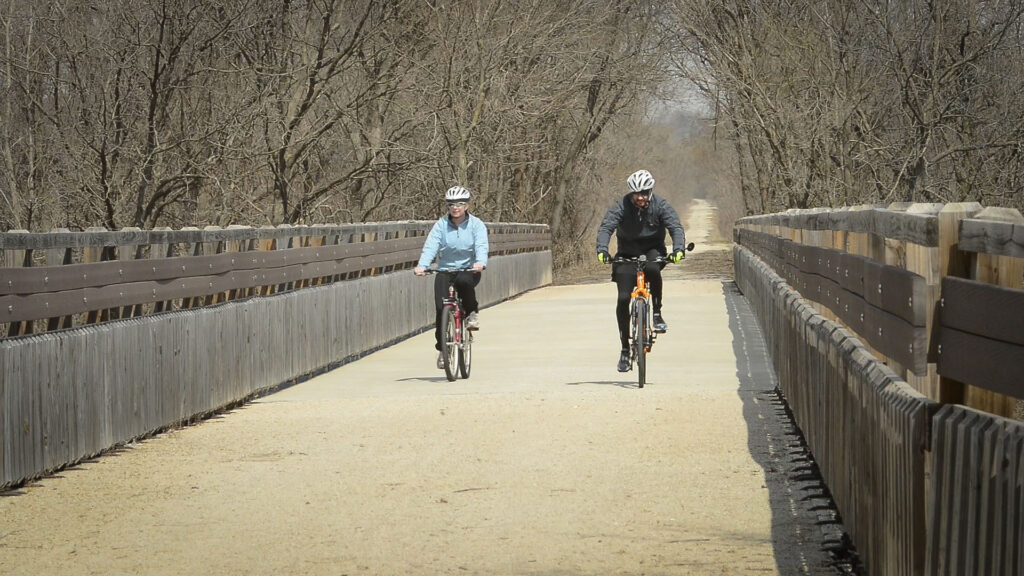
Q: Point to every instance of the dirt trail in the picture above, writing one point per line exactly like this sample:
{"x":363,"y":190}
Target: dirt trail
{"x":546,"y":461}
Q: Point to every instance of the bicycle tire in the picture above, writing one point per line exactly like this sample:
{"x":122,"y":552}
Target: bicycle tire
{"x":466,"y":354}
{"x":449,"y":344}
{"x":640,"y":340}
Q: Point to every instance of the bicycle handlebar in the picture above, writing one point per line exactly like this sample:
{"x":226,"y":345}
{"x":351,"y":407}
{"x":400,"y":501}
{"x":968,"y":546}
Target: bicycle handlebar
{"x":643,"y":257}
{"x":427,"y":271}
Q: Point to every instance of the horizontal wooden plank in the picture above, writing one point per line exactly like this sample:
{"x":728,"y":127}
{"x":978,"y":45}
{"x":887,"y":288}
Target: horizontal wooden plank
{"x":851,"y":273}
{"x":790,"y":252}
{"x":851,"y":310}
{"x":981,"y":362}
{"x":809,"y":286}
{"x":892,"y":289}
{"x":982,"y":309}
{"x":829,"y":263}
{"x":922,"y":229}
{"x":806,"y":258}
{"x":991,"y":237}
{"x":132,"y":237}
{"x":890,"y":334}
{"x":918,"y":228}
{"x":896,"y":338}
{"x":51,"y":240}
{"x":95,"y":274}
{"x":896,"y":291}
{"x":18,"y":308}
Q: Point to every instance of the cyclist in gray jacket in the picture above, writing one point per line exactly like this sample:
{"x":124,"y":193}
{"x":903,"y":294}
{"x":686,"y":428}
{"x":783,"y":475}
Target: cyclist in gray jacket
{"x":639,"y":221}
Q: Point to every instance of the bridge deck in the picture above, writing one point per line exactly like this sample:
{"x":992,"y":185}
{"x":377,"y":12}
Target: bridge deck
{"x":546,"y":461}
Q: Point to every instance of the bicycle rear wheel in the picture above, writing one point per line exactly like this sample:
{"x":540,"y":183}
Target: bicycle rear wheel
{"x":466,"y":353}
{"x":640,"y":340}
{"x":449,"y":344}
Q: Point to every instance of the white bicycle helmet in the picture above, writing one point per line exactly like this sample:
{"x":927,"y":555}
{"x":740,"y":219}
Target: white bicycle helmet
{"x":640,"y":181}
{"x":456,"y":194}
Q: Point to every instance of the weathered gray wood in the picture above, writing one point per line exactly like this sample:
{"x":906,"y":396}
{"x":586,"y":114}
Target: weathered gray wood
{"x":992,"y":237}
{"x":977,"y":474}
{"x":981,"y":362}
{"x":68,"y":395}
{"x":58,"y":240}
{"x":918,"y":226}
{"x":959,"y":515}
{"x":898,"y":292}
{"x":865,"y":427}
{"x":983,"y":309}
{"x":16,"y":240}
{"x":7,"y":467}
{"x":47,"y":292}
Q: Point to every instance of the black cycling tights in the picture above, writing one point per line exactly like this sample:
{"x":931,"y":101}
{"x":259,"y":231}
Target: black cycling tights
{"x":625,"y":278}
{"x":465,"y":286}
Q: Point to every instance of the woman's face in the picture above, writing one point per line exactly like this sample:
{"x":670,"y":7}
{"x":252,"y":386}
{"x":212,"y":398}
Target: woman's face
{"x":457,"y":209}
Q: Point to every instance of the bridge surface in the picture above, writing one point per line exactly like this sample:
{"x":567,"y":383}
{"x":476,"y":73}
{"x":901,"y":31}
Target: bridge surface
{"x":545,"y":461}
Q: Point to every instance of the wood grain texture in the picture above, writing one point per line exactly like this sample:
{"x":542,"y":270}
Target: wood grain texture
{"x":65,"y":396}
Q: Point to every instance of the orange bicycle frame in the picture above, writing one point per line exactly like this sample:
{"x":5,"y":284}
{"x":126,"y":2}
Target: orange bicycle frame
{"x":640,"y":290}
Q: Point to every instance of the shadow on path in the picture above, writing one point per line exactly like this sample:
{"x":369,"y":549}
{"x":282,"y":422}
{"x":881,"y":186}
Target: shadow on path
{"x":807,"y":534}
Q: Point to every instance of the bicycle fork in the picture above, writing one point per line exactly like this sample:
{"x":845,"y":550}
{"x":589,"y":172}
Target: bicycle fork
{"x":462,"y":336}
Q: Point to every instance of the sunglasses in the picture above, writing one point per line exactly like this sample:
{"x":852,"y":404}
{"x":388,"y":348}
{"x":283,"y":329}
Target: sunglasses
{"x":643,"y":194}
{"x":458,"y":204}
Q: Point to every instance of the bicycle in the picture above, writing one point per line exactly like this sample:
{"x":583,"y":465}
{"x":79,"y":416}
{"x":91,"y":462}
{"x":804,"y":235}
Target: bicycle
{"x":641,"y":322}
{"x":456,"y":337}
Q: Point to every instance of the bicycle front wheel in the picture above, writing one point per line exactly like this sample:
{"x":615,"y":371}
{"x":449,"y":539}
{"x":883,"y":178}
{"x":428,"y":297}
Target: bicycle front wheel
{"x":640,"y":340}
{"x":465,"y":353}
{"x":449,"y":343}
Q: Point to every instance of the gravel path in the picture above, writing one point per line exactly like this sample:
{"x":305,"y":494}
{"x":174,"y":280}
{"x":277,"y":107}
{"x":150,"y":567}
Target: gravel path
{"x":546,"y":461}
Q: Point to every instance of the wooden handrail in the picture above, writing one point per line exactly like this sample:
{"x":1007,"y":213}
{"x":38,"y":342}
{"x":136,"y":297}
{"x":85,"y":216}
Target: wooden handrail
{"x":884,"y":272}
{"x":49,"y":280}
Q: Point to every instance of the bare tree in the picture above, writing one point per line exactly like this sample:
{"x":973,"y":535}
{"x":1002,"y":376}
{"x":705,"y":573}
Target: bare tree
{"x":862,"y":101}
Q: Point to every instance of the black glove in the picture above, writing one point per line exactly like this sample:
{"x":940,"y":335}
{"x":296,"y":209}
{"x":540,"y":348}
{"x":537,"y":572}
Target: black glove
{"x":604,"y":257}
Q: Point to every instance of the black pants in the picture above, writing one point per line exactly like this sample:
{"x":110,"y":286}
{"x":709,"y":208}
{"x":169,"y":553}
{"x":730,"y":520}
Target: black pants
{"x":624,"y":275}
{"x":465,"y":287}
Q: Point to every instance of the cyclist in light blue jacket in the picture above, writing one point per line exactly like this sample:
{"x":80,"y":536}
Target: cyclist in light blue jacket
{"x":459,"y":242}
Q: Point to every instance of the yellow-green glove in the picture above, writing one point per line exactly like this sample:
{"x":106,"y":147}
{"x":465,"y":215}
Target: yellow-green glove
{"x":604,"y":257}
{"x":677,"y":256}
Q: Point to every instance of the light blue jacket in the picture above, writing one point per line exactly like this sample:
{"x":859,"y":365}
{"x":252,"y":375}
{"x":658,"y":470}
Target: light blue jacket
{"x":455,"y":246}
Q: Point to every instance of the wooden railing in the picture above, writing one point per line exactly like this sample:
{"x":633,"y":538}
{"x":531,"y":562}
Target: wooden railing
{"x":64,"y":279}
{"x":898,"y":336}
{"x":116,"y":335}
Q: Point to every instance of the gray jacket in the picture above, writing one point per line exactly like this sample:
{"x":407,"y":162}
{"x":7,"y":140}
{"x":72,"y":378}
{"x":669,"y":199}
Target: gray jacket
{"x":640,"y":231}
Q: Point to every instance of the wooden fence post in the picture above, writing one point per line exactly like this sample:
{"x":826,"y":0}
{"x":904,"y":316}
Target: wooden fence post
{"x":925,"y":262}
{"x":240,"y":246}
{"x":159,"y":251}
{"x":17,"y":258}
{"x":1005,"y":271}
{"x":58,"y":257}
{"x":952,"y":262}
{"x":94,"y":254}
{"x":127,"y":253}
{"x":267,"y":245}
